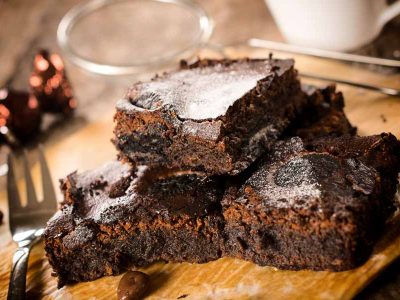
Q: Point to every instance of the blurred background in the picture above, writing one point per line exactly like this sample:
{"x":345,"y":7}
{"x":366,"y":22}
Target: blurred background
{"x":27,"y":26}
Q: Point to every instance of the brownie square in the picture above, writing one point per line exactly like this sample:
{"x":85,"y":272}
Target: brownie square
{"x":317,"y":205}
{"x":112,"y":219}
{"x":215,"y":116}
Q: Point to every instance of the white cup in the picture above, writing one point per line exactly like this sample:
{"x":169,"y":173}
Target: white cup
{"x":338,"y":25}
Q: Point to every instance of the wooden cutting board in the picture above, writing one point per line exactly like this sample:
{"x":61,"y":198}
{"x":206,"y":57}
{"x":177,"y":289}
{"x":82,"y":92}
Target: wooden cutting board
{"x":226,"y":278}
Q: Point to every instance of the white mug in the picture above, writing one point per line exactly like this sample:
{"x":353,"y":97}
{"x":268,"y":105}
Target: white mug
{"x":339,"y":25}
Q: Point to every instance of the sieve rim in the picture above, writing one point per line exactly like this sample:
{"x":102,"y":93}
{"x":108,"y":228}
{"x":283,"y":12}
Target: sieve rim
{"x":78,"y":12}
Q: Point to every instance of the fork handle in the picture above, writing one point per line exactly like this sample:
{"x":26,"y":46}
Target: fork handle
{"x":17,"y":286}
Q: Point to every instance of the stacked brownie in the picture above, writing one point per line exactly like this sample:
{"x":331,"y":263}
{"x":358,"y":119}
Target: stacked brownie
{"x":212,"y":116}
{"x":227,"y":158}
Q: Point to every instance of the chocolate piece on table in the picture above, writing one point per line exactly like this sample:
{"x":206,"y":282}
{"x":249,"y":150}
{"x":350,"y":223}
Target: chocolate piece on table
{"x":50,"y":84}
{"x":323,"y":115}
{"x":318,"y":205}
{"x":133,"y":285}
{"x":216,"y":116}
{"x":20,"y":116}
{"x":112,"y":220}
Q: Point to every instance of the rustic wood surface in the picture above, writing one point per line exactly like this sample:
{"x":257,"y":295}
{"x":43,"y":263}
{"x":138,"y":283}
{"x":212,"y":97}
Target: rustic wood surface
{"x":83,"y":142}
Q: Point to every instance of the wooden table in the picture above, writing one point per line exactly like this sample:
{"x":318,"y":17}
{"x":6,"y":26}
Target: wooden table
{"x":235,"y":20}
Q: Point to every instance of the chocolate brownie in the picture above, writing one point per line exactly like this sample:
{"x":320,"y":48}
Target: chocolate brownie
{"x":321,"y":116}
{"x":319,"y":205}
{"x":215,"y":116}
{"x":112,"y":219}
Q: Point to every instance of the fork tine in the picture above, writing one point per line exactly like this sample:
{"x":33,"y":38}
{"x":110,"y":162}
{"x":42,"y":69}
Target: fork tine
{"x":49,"y":195}
{"x":30,"y":188}
{"x":14,"y":201}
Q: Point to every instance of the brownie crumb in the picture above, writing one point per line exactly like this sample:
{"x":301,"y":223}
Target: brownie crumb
{"x":118,"y":188}
{"x":133,"y":285}
{"x":182,"y":296}
{"x":383,"y":118}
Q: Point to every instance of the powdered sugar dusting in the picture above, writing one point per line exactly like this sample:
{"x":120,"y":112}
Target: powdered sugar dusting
{"x":97,"y":201}
{"x":108,"y":172}
{"x":59,"y":214}
{"x":289,"y":189}
{"x":100,"y":205}
{"x":205,"y":129}
{"x":78,"y":237}
{"x":284,"y":149}
{"x":202,"y":93}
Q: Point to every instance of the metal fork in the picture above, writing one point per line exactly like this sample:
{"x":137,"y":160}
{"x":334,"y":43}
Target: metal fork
{"x":27,"y":223}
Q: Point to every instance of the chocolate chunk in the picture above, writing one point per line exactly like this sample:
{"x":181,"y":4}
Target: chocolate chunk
{"x":20,"y":116}
{"x":174,"y":187}
{"x":118,"y":188}
{"x":50,"y":84}
{"x":133,"y":285}
{"x":1,"y":217}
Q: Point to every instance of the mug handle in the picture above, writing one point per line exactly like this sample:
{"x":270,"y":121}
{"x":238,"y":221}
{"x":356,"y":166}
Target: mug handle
{"x":389,"y":13}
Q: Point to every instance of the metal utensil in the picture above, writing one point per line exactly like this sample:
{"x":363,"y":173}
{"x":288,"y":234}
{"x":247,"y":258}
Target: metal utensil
{"x":27,"y":223}
{"x":347,"y":57}
{"x":383,"y":90}
{"x":341,"y":56}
